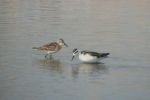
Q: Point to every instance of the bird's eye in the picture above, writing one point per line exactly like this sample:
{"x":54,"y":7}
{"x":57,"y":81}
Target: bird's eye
{"x":76,"y":52}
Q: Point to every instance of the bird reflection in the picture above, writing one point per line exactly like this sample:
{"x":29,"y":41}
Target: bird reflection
{"x":52,"y":65}
{"x":90,"y":69}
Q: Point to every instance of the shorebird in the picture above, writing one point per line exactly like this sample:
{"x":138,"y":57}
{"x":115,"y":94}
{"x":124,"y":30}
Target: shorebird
{"x":89,"y":56}
{"x":52,"y":47}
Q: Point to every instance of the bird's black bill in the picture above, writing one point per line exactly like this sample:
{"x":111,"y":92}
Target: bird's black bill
{"x":65,"y":44}
{"x":72,"y":58}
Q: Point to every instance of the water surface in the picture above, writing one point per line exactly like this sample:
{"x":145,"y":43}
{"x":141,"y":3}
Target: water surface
{"x":121,"y":27}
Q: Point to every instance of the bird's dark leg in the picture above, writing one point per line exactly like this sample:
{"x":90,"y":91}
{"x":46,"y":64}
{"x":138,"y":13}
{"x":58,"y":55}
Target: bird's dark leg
{"x":46,"y":55}
{"x":50,"y":56}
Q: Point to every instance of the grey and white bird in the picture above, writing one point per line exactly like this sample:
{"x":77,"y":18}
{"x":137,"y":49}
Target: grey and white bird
{"x":89,"y":56}
{"x":52,"y":47}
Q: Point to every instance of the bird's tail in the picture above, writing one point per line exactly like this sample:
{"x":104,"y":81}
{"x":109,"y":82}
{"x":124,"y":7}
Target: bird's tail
{"x":36,"y":48}
{"x":104,"y":54}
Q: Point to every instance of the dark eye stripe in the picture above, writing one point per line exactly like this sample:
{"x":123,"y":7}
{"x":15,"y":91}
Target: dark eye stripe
{"x":76,"y":52}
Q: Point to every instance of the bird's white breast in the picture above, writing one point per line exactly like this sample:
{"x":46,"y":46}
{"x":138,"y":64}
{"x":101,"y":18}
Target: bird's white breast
{"x":88,"y":58}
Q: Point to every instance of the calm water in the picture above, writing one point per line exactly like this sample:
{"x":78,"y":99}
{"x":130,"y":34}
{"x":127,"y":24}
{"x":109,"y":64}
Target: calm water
{"x":121,"y":27}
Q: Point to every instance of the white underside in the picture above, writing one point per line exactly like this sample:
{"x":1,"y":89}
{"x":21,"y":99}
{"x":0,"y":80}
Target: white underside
{"x":88,"y":59}
{"x":51,"y":52}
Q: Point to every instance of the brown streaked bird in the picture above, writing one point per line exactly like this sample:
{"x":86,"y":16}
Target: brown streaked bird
{"x":52,"y":47}
{"x":89,"y":56}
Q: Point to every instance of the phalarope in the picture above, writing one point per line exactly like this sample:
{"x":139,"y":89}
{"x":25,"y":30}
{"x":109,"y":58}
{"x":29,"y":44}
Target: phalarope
{"x":51,"y":48}
{"x":89,"y":56}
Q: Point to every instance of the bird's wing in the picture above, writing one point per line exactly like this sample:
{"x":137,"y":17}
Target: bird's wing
{"x":92,"y":53}
{"x":50,"y":46}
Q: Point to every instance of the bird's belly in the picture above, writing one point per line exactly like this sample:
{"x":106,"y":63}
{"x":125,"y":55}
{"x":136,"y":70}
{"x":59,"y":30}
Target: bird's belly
{"x":53,"y":51}
{"x":50,"y":52}
{"x":88,"y":59}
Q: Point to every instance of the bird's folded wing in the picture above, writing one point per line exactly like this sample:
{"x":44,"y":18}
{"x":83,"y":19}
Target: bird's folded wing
{"x":49,"y":46}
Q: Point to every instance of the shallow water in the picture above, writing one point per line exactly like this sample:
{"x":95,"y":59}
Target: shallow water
{"x":121,"y":27}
